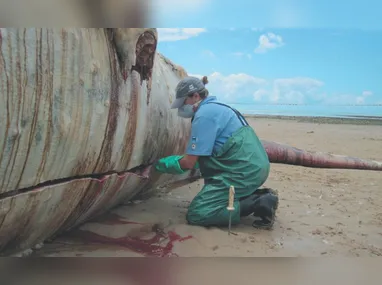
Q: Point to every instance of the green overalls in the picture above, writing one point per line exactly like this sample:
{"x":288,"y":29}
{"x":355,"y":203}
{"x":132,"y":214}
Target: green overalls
{"x":242,"y":162}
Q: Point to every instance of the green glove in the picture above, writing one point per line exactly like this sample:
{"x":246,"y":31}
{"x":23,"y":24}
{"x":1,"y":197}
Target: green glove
{"x":196,"y":166}
{"x":170,"y":165}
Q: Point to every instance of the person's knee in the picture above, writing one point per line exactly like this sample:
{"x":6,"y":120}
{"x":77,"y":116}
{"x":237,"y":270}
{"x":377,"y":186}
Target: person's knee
{"x":197,"y":213}
{"x":201,"y":216}
{"x":218,"y":217}
{"x":195,"y":217}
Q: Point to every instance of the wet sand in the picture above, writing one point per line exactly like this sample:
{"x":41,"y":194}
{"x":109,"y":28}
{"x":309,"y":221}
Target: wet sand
{"x":322,"y":212}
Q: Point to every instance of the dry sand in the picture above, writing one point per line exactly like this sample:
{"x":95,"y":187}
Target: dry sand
{"x":322,"y":212}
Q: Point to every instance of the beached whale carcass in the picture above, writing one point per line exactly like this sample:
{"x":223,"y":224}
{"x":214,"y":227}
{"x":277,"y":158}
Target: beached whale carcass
{"x":82,"y":112}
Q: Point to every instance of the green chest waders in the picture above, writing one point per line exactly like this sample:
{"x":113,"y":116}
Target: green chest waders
{"x":242,"y":162}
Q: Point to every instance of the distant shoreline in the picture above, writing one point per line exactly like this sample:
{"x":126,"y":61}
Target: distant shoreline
{"x":353,"y":120}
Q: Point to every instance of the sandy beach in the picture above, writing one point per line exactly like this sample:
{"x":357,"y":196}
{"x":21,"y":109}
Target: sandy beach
{"x":322,"y":212}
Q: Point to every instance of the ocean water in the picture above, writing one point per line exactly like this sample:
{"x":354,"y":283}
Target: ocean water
{"x":310,"y":110}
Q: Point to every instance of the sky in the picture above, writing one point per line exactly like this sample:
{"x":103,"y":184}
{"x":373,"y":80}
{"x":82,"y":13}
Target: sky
{"x":302,"y":52}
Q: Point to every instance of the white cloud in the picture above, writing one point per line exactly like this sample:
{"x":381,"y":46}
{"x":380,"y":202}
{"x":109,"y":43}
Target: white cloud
{"x":367,"y":93}
{"x":232,"y":83}
{"x":289,"y":90}
{"x":362,"y":99}
{"x":178,"y":34}
{"x":260,"y":94}
{"x":233,"y":87}
{"x":340,"y":99}
{"x":244,"y":88}
{"x":269,"y":41}
{"x":242,"y":54}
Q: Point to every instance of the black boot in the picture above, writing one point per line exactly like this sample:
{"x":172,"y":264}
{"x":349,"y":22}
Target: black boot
{"x":265,"y":210}
{"x":246,"y":205}
{"x":262,"y":204}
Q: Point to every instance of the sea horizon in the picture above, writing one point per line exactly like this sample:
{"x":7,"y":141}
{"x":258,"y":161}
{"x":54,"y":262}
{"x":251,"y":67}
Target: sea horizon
{"x":335,"y":111}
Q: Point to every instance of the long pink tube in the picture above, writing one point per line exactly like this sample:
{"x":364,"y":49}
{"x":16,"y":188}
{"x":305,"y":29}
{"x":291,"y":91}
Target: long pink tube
{"x":284,"y":154}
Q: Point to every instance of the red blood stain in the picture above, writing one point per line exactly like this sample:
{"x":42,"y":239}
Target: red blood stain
{"x":151,"y":247}
{"x":148,"y":247}
{"x":124,"y":74}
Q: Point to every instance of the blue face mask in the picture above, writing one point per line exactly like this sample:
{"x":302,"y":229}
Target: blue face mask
{"x":186,"y":111}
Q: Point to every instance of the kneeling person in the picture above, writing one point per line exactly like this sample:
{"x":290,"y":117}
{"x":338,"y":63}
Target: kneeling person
{"x":228,"y":152}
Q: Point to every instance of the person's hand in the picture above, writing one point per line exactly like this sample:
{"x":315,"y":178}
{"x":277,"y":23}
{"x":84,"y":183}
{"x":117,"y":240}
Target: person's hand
{"x":169,"y":165}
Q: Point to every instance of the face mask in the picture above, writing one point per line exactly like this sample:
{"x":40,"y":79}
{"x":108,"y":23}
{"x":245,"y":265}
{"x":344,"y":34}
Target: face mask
{"x":187,"y":111}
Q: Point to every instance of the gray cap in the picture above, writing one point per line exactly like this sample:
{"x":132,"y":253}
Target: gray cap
{"x":186,"y":87}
